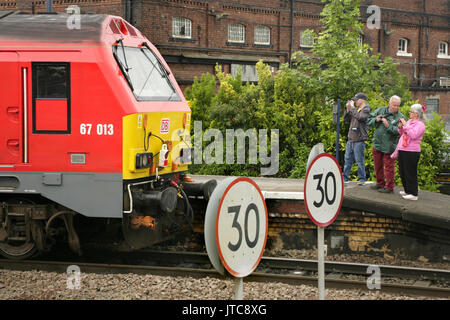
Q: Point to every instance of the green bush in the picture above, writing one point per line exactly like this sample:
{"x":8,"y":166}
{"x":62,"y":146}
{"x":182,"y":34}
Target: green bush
{"x":299,"y":102}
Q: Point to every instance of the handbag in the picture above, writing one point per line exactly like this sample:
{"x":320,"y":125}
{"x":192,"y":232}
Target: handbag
{"x":401,"y":142}
{"x":405,"y":139}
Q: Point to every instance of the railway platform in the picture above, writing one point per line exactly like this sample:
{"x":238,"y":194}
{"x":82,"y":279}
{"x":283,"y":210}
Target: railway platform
{"x":369,"y":221}
{"x":431,"y":209}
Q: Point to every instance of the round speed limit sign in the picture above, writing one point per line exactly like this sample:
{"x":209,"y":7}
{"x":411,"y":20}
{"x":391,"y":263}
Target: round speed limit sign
{"x":324,"y":190}
{"x":241,"y":225}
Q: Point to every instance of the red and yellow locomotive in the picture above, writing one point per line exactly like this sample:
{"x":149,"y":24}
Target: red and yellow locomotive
{"x":92,"y":122}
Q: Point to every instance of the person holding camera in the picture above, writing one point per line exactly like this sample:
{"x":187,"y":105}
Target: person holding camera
{"x":356,"y":112}
{"x":409,"y":150}
{"x":385,"y":121}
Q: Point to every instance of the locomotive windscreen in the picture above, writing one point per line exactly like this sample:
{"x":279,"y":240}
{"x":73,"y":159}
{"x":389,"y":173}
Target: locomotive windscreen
{"x":148,"y":78}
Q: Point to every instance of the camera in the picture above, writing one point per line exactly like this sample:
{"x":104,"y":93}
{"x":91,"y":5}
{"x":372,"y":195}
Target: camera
{"x":387,"y":115}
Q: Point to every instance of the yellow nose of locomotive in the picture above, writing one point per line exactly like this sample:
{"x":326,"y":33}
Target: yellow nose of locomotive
{"x":155,"y":143}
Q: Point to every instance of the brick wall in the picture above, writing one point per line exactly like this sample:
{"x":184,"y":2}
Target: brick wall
{"x":423,"y":23}
{"x":210,"y":19}
{"x":355,"y":231}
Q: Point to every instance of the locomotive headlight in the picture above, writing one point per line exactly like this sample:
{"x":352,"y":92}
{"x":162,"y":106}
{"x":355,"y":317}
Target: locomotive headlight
{"x":144,"y":160}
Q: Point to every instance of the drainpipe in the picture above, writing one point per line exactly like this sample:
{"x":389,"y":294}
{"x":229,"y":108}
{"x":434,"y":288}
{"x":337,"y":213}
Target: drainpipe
{"x":422,"y":22}
{"x":291,"y":42}
{"x":130,"y":11}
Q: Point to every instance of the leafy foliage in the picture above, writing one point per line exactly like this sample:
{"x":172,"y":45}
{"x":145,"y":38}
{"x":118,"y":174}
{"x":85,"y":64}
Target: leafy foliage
{"x":299,"y":101}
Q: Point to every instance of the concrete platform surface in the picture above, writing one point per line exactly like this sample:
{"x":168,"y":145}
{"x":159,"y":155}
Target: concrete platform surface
{"x":431,"y":209}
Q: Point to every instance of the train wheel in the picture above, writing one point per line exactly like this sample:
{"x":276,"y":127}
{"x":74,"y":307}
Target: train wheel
{"x":17,"y":251}
{"x":17,"y":242}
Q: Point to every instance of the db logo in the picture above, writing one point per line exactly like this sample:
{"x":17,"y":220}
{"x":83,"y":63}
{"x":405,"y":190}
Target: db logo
{"x":164,"y":125}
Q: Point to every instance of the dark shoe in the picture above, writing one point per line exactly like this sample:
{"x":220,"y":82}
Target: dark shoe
{"x":384,"y":190}
{"x":361,"y":182}
{"x":375,"y":187}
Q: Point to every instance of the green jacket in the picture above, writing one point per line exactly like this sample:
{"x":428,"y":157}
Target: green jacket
{"x":385,"y":139}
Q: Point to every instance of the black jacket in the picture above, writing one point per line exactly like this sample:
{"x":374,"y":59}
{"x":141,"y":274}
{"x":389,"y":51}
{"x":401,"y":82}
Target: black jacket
{"x":358,"y":130}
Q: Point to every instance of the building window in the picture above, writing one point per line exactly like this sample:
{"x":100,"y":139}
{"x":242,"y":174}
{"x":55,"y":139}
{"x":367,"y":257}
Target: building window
{"x":432,"y":106}
{"x":236,"y":33}
{"x":360,"y":40}
{"x":444,"y":82}
{"x":403,"y":48}
{"x":306,"y":38}
{"x":248,"y":72}
{"x":443,"y":50}
{"x":262,"y":35}
{"x":181,"y":28}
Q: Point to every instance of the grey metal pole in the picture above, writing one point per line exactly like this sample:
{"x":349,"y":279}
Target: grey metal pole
{"x":338,"y":128}
{"x":49,"y":4}
{"x":238,"y":288}
{"x":321,"y":262}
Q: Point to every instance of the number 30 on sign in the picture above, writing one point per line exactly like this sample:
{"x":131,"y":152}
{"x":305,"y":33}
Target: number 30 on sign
{"x":236,"y":226}
{"x":324,"y":190}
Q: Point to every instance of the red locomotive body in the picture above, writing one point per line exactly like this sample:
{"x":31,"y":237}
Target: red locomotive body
{"x":92,"y":122}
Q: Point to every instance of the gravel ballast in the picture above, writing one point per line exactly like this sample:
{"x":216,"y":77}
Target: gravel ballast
{"x":40,"y":285}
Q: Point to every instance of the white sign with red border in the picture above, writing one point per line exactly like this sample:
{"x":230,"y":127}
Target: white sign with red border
{"x":238,"y":212}
{"x":323,"y":190}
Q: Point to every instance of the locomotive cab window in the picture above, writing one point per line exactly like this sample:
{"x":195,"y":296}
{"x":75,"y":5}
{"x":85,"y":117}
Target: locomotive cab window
{"x":146,"y":75}
{"x":51,"y":98}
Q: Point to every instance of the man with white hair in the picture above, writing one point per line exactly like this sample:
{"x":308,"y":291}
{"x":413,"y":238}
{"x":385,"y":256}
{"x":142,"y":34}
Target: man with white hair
{"x":385,"y":121}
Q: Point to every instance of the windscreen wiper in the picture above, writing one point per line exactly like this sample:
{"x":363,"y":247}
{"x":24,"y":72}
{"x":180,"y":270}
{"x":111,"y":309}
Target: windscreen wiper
{"x":166,"y":72}
{"x":122,"y":67}
{"x":124,"y":55}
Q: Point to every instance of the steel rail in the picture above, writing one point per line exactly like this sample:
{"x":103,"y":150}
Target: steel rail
{"x":308,"y":265}
{"x":361,"y":268}
{"x":54,"y":266}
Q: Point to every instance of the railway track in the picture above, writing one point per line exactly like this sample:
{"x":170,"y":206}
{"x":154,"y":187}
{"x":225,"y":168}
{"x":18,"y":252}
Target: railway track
{"x":291,"y":271}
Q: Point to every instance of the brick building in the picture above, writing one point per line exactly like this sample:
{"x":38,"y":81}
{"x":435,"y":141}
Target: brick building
{"x":194,"y":35}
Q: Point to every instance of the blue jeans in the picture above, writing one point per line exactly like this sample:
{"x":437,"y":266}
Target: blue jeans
{"x":354,"y":153}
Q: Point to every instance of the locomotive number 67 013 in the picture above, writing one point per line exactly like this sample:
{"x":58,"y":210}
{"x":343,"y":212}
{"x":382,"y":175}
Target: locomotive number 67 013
{"x":108,"y":82}
{"x":101,"y":129}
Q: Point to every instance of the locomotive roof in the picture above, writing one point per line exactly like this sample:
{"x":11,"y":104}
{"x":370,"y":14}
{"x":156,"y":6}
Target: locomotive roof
{"x":51,"y":27}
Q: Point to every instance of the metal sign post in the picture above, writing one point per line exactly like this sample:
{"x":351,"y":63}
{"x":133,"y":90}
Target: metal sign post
{"x":324,"y":192}
{"x":321,"y":262}
{"x":338,"y":120}
{"x":238,"y":288}
{"x":236,"y":226}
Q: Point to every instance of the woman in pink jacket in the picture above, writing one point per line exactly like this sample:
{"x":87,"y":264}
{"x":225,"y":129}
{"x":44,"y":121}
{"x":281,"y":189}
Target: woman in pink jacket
{"x":411,"y":133}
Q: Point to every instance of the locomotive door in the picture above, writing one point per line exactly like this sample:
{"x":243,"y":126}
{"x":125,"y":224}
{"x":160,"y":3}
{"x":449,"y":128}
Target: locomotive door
{"x":11,"y":109}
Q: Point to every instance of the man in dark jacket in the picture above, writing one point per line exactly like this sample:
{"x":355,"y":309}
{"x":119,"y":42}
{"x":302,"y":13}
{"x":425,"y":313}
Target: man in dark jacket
{"x":385,"y":139}
{"x":357,"y":112}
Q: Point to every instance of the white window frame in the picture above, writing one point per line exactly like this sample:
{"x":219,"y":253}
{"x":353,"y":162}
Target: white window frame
{"x":443,"y":50}
{"x":432,"y":106}
{"x":360,"y":40}
{"x":236,"y":33}
{"x":305,"y":43}
{"x":402,"y":48}
{"x":262,"y":35}
{"x":444,"y":82}
{"x":248,"y":72}
{"x":177,"y":24}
